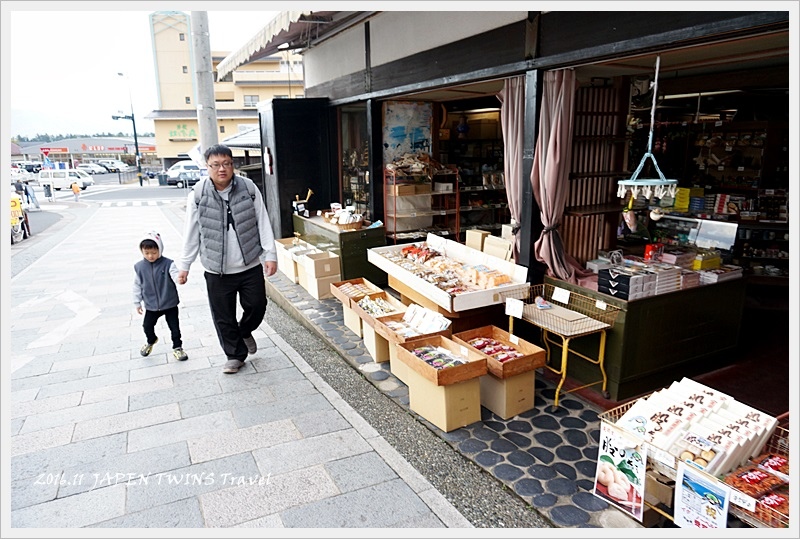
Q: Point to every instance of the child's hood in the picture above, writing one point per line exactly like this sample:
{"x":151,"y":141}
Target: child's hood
{"x":156,"y":237}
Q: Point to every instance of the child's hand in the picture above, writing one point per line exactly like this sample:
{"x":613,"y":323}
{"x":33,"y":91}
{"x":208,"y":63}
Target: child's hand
{"x":139,"y":310}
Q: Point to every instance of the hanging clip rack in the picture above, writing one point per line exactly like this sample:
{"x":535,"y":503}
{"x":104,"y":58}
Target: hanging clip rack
{"x":660,"y":187}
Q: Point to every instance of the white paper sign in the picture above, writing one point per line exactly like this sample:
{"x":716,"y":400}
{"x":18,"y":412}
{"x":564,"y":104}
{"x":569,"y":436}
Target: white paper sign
{"x":620,"y":472}
{"x":743,"y":500}
{"x":600,"y":304}
{"x":700,"y":500}
{"x":514,"y":339}
{"x":561,"y":295}
{"x":514,"y":307}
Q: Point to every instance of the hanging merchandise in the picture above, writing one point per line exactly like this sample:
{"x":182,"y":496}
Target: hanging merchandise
{"x":660,"y":187}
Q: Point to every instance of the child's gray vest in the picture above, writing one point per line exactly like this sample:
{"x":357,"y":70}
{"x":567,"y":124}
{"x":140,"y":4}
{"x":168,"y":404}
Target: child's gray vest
{"x":211,"y":214}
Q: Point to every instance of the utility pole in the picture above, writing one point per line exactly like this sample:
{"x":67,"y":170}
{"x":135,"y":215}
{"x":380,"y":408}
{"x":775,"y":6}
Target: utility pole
{"x":204,"y":80}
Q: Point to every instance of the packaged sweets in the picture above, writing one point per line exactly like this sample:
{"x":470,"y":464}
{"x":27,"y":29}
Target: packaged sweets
{"x":753,"y":481}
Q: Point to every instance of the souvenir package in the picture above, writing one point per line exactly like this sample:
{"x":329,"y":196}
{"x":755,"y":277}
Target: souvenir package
{"x":656,"y":426}
{"x":698,"y":451}
{"x":437,"y":357}
{"x":774,"y":463}
{"x":753,"y":481}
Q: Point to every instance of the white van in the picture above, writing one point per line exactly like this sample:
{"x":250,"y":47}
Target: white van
{"x":62,"y":178}
{"x":114,"y":165}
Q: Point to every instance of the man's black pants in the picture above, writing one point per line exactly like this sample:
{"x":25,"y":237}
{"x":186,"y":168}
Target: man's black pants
{"x":222,"y":291}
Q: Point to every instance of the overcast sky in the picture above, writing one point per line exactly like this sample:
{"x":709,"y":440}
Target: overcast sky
{"x":60,"y":67}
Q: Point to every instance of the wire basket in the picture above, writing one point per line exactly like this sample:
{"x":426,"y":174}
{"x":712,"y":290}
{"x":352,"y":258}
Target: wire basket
{"x":570,"y":315}
{"x":351,"y":226}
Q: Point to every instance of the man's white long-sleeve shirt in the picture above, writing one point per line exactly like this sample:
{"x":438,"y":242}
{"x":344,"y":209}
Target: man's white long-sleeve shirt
{"x":233,"y":260}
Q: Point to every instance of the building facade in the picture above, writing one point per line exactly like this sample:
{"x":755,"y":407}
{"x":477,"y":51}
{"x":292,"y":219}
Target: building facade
{"x":236,"y":95}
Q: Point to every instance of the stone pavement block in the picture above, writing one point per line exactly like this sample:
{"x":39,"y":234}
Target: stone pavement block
{"x":42,"y":439}
{"x":269,"y":521}
{"x":424,"y":521}
{"x":34,"y":490}
{"x":169,"y":368}
{"x":89,"y":360}
{"x":180,"y":514}
{"x":128,"y":364}
{"x":202,"y":376}
{"x":270,"y":363}
{"x":33,"y":366}
{"x":75,"y":414}
{"x":308,"y":452}
{"x":40,"y":406}
{"x":81,"y":384}
{"x":359,"y":471}
{"x":376,"y":506}
{"x":288,"y":408}
{"x":73,"y":512}
{"x":316,"y":423}
{"x":444,"y":509}
{"x":16,"y":425}
{"x":401,"y":467}
{"x":231,"y":506}
{"x":127,"y":421}
{"x":290,"y":390}
{"x":129,"y":389}
{"x":49,"y":379}
{"x":24,"y":395}
{"x":182,"y":429}
{"x":104,"y":472}
{"x":190,"y":481}
{"x":225,"y":401}
{"x":223,"y":444}
{"x":56,"y":459}
{"x":171,"y":393}
{"x":260,"y":379}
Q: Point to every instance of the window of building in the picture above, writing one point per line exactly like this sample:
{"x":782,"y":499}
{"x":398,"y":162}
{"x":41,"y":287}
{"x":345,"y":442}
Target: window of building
{"x":250,"y":100}
{"x":182,"y":36}
{"x":185,"y":69}
{"x":281,"y":96}
{"x":222,"y":129}
{"x":188,"y":100}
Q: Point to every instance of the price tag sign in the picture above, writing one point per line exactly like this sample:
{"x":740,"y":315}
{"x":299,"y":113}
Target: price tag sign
{"x":721,"y":167}
{"x":740,"y":169}
{"x":600,"y":304}
{"x":514,"y":339}
{"x":743,"y":500}
{"x":718,"y":123}
{"x":663,"y":457}
{"x":561,"y":295}
{"x":464,"y":352}
{"x":701,"y":167}
{"x":413,"y":214}
{"x":514,"y":307}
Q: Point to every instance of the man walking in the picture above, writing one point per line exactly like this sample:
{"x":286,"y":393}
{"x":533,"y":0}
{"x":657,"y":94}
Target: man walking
{"x":228,"y":226}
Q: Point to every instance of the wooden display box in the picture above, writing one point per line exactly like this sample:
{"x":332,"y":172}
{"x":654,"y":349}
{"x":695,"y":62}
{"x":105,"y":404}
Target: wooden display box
{"x":399,"y":369}
{"x":367,"y":318}
{"x":508,"y":397}
{"x":534,"y":357}
{"x":448,"y":407}
{"x":401,"y":189}
{"x":351,"y":319}
{"x":475,"y":366}
{"x":322,"y":264}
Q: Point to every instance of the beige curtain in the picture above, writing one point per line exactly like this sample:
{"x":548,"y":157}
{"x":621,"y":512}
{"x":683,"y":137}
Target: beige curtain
{"x":512,"y":119}
{"x":551,"y":166}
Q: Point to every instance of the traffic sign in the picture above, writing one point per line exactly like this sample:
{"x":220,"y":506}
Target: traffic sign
{"x":45,"y":151}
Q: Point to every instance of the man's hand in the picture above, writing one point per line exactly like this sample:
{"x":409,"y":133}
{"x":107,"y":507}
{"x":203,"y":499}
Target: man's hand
{"x":183,"y":276}
{"x":270,"y":267}
{"x":139,"y":310}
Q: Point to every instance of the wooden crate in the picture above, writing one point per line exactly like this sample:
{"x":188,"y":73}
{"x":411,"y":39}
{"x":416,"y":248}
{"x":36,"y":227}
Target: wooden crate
{"x":475,"y":366}
{"x":347,"y":299}
{"x":367,"y":318}
{"x":534,"y":357}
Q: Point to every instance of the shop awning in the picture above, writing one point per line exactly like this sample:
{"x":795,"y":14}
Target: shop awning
{"x":294,"y":28}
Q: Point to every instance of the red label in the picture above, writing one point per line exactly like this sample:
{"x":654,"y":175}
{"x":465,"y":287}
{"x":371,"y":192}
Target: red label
{"x":753,"y":477}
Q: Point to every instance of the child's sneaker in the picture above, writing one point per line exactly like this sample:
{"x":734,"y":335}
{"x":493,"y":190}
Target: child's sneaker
{"x":148,"y":347}
{"x":179,"y":354}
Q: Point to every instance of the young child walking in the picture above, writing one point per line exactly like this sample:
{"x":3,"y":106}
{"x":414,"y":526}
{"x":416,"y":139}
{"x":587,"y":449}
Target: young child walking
{"x":154,"y":286}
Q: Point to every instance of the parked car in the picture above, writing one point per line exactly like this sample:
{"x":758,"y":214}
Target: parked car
{"x":20,"y":226}
{"x":92,"y":168}
{"x":114,"y":165}
{"x":187,"y":178}
{"x":179,"y":167}
{"x":62,"y":178}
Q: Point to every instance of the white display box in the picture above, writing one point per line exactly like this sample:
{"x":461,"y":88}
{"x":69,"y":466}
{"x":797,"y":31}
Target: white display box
{"x":461,"y":253}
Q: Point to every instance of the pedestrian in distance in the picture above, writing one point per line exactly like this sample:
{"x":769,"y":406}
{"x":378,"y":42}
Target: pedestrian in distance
{"x":19,"y":187}
{"x":31,"y":194}
{"x":76,"y":190}
{"x":154,"y":286}
{"x":228,"y":226}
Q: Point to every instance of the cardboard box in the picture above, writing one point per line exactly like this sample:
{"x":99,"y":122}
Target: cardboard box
{"x":377,"y":345}
{"x":322,"y":264}
{"x":286,"y":263}
{"x":507,"y":232}
{"x":475,"y":366}
{"x":422,"y":189}
{"x":352,"y":321}
{"x":534,"y":357}
{"x":508,"y":397}
{"x":658,"y":488}
{"x":448,"y":407}
{"x":494,"y":246}
{"x":475,"y":239}
{"x":401,"y":189}
{"x":320,"y":287}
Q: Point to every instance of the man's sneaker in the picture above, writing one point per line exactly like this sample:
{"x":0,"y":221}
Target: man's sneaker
{"x":250,"y":342}
{"x":147,"y":348}
{"x":179,"y":354}
{"x":232,"y":366}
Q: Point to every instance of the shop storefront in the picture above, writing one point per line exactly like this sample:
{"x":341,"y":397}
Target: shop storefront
{"x":525,"y":124}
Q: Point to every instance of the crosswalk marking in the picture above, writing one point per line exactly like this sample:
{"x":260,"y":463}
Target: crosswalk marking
{"x":124,"y":203}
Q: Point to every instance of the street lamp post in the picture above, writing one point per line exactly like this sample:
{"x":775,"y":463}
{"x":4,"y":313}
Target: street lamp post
{"x":135,"y":137}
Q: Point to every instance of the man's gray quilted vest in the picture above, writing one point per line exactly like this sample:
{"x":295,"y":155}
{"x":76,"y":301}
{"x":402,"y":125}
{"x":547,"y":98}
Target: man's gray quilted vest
{"x":211,"y":214}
